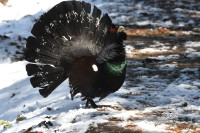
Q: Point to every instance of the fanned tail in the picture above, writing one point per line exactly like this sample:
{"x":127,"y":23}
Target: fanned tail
{"x":65,"y":33}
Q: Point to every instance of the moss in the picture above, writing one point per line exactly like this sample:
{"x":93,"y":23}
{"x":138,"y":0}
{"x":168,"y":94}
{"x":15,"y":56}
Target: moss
{"x":6,"y":124}
{"x":185,"y":104}
{"x":143,"y":54}
{"x":20,"y":118}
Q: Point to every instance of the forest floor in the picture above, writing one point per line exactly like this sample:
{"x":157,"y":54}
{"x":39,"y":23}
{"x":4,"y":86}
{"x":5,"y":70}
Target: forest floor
{"x":161,"y":92}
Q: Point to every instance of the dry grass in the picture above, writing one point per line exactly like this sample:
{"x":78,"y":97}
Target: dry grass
{"x":188,"y":65}
{"x":102,"y":109}
{"x":114,"y":119}
{"x":153,"y":32}
{"x":137,"y":54}
{"x":173,"y":126}
{"x":3,"y":2}
{"x":112,"y":127}
{"x":153,"y":113}
{"x":179,"y":127}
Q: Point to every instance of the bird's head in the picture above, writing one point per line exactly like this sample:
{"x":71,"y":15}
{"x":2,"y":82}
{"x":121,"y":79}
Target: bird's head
{"x":121,"y":33}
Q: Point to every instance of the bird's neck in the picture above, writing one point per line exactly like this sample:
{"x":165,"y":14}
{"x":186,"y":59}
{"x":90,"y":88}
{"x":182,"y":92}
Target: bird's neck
{"x":116,"y":68}
{"x":117,"y":65}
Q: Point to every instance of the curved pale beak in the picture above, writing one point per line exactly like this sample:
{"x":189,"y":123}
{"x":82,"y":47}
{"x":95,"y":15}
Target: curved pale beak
{"x":121,"y":29}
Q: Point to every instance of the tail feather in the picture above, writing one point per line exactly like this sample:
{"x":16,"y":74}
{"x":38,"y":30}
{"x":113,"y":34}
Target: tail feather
{"x":58,"y":15}
{"x":34,"y":69}
{"x":42,"y":51}
{"x":47,"y":90}
{"x":35,"y":57}
{"x":86,"y":7}
{"x":41,"y":81}
{"x":96,"y":12}
{"x":105,"y":20}
{"x":71,"y":18}
{"x":46,"y":77}
{"x":105,"y":23}
{"x":33,"y":43}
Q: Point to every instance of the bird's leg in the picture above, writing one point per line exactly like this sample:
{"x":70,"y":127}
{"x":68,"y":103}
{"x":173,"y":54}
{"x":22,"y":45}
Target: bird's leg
{"x":91,"y":102}
{"x":87,"y":103}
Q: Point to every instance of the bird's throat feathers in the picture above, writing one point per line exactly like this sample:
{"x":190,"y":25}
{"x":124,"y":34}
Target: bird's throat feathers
{"x":116,"y":69}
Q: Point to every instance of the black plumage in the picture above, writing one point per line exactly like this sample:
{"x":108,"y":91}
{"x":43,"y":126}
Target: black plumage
{"x":71,"y":42}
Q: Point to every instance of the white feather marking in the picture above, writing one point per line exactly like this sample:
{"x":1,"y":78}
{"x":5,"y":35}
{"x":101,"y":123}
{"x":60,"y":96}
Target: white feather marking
{"x":105,"y":30}
{"x":52,"y":25}
{"x":37,"y":60}
{"x":97,"y":22}
{"x":94,"y":67}
{"x":37,"y":50}
{"x":47,"y":29}
{"x":65,"y":39}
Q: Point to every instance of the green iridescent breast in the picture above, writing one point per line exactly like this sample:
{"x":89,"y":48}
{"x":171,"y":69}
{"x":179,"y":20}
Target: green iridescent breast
{"x":116,"y":69}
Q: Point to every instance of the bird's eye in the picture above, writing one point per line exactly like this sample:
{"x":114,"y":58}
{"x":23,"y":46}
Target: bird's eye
{"x":112,"y":30}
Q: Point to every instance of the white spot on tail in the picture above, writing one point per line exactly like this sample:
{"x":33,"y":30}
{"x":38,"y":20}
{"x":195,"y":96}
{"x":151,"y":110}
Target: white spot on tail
{"x":94,"y":67}
{"x":37,"y":50}
{"x":65,"y":39}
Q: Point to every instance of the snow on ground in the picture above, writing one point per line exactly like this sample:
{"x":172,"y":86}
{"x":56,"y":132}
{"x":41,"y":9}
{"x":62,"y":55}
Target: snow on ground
{"x":162,"y":88}
{"x":16,"y":23}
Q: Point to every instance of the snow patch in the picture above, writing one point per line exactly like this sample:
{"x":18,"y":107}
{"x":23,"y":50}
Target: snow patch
{"x":192,"y":44}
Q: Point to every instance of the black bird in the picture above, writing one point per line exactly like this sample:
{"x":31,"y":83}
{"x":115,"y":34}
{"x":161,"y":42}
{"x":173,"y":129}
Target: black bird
{"x":71,"y":42}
